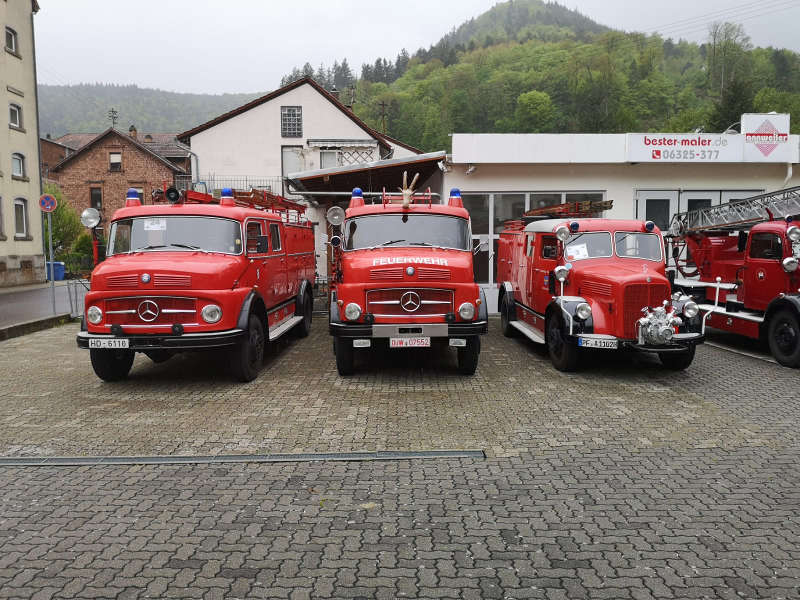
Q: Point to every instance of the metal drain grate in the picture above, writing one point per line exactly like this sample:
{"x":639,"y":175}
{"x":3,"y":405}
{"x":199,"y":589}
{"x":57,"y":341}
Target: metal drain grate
{"x":81,"y":461}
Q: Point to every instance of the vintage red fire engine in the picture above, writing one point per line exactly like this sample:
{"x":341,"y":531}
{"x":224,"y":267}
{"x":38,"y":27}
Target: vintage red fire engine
{"x":403,"y":277}
{"x":196,"y":273}
{"x":576,"y":283}
{"x":741,"y":266}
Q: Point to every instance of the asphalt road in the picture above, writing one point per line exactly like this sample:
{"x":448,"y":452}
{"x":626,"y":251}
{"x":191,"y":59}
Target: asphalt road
{"x":31,"y":304}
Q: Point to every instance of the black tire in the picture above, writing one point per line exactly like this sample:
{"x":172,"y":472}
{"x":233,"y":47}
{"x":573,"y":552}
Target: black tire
{"x":677,"y":361}
{"x":158,"y":356}
{"x":563,"y":354}
{"x":505,"y":314}
{"x":783,"y":335}
{"x":468,"y":356}
{"x":345,"y":356}
{"x":248,"y":355}
{"x":303,"y":328}
{"x":111,"y":365}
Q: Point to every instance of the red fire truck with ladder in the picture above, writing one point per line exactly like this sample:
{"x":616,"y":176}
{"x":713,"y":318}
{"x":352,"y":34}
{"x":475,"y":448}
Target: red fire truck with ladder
{"x":739,"y":260}
{"x":403,"y":277}
{"x":198,"y":273}
{"x":573,"y":283}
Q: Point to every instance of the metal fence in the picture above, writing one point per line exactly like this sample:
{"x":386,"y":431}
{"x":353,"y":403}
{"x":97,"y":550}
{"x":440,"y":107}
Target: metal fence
{"x":214,"y":185}
{"x":76,"y":291}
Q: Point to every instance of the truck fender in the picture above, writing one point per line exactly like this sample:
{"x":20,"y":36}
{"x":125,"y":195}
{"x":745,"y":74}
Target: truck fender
{"x":568,"y":314}
{"x":791,"y":301}
{"x":253,"y":301}
{"x":483,"y":309}
{"x":507,"y":290}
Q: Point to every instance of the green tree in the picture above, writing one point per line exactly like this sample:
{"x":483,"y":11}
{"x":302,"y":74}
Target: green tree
{"x":66,"y":224}
{"x":536,"y":113}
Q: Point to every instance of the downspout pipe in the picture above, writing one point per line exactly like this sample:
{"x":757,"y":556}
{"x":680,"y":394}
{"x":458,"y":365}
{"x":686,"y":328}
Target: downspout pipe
{"x":788,"y":174}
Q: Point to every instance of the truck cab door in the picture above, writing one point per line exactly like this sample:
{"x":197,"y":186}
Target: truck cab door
{"x":764,"y":277}
{"x":277,"y":259}
{"x":256,"y":251}
{"x":545,"y":261}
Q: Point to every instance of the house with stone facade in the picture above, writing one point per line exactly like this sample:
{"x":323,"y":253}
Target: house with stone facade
{"x":99,"y":172}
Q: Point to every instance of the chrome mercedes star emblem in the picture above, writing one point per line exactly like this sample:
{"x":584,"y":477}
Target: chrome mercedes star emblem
{"x":148,"y":311}
{"x":410,"y":301}
{"x":145,"y":277}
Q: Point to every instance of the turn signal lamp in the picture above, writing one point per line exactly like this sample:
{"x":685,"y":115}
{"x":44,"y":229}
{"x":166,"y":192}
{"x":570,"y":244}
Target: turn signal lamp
{"x":455,"y":198}
{"x":132,"y":198}
{"x":357,"y":199}
{"x":650,"y":226}
{"x":226,"y":197}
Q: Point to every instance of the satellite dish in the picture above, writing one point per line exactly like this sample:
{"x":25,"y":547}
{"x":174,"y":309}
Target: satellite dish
{"x":90,"y":217}
{"x":335,"y":215}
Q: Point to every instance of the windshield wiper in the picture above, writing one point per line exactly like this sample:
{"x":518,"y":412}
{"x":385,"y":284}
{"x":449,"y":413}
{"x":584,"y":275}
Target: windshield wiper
{"x":155,"y":246}
{"x":426,"y":244}
{"x":389,"y":243}
{"x":188,"y":247}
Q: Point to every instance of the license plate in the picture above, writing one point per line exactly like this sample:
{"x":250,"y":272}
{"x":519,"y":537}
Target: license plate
{"x":410,"y":342}
{"x":109,"y":343}
{"x":597,"y":343}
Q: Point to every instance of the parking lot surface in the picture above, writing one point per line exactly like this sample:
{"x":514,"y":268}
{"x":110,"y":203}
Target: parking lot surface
{"x":621,"y":481}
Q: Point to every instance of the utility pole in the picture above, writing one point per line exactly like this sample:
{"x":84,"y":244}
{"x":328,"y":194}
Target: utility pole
{"x":382,"y":104}
{"x":113,"y":116}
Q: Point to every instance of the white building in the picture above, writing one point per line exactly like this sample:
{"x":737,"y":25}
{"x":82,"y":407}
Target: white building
{"x":298,"y":127}
{"x":648,"y":176}
{"x":21,"y":250}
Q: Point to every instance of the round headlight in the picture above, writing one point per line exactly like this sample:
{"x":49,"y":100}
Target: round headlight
{"x":583,"y":311}
{"x":211,"y":313}
{"x":352,"y":311}
{"x":94,"y":314}
{"x":790,"y":264}
{"x":562,"y":233}
{"x":793,"y":233}
{"x":467,"y":311}
{"x":690,"y":309}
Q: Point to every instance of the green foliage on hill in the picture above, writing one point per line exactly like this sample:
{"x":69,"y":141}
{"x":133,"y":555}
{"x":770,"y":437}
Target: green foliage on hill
{"x":84,"y":108}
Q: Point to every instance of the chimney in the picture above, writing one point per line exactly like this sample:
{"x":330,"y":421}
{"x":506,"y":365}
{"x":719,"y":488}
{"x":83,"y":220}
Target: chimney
{"x":132,"y":131}
{"x":334,"y":92}
{"x":48,"y":136}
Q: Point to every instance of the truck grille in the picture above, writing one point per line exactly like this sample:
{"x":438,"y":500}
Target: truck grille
{"x":123,"y":281}
{"x":409,"y":302}
{"x":637,"y":296}
{"x":595,"y":288}
{"x":386,"y":274}
{"x":140,"y":310}
{"x":429,"y":274}
{"x":172,"y":281}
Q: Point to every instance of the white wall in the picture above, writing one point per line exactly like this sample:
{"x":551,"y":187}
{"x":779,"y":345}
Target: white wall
{"x":250,"y":143}
{"x":399,"y":151}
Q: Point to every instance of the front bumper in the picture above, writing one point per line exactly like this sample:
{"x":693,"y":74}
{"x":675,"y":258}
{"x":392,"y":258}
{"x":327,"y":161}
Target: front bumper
{"x":432,"y":330}
{"x":186,"y":341}
{"x":680,"y":342}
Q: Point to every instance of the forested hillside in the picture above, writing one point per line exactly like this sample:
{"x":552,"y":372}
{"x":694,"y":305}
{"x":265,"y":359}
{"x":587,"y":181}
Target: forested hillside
{"x":84,"y":108}
{"x":523,"y":66}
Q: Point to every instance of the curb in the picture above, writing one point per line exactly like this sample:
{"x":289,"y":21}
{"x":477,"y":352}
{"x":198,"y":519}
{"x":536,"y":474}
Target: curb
{"x":12,"y":331}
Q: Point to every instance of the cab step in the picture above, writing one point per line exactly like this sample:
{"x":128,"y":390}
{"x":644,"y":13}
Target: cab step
{"x":278,"y":331}
{"x":528,"y":331}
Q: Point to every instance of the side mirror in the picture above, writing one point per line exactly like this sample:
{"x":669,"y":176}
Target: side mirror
{"x":263,"y":244}
{"x":480,"y":246}
{"x":336,"y":241}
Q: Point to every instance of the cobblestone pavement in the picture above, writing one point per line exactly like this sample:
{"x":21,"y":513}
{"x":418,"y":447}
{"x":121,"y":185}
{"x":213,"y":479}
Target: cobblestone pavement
{"x":622,"y":481}
{"x":52,"y":404}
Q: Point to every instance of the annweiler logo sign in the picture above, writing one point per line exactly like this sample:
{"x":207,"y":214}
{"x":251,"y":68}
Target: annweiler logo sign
{"x":766,"y":138}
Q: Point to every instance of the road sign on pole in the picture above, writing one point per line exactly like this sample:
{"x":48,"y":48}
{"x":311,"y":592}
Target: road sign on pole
{"x":47,"y":202}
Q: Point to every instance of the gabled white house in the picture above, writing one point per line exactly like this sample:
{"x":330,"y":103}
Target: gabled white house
{"x":298,"y":127}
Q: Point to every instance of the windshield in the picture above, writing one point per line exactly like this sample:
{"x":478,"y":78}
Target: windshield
{"x":628,"y":244}
{"x":146,"y":234}
{"x":394,"y":230}
{"x":588,"y":245}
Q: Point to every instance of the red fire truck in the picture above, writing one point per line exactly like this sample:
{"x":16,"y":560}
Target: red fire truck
{"x":574,"y":283}
{"x":739,"y":260}
{"x":403,"y":277}
{"x":198,"y":273}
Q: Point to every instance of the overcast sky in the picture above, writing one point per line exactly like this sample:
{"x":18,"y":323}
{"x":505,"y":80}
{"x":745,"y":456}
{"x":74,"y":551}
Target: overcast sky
{"x":217,"y":46}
